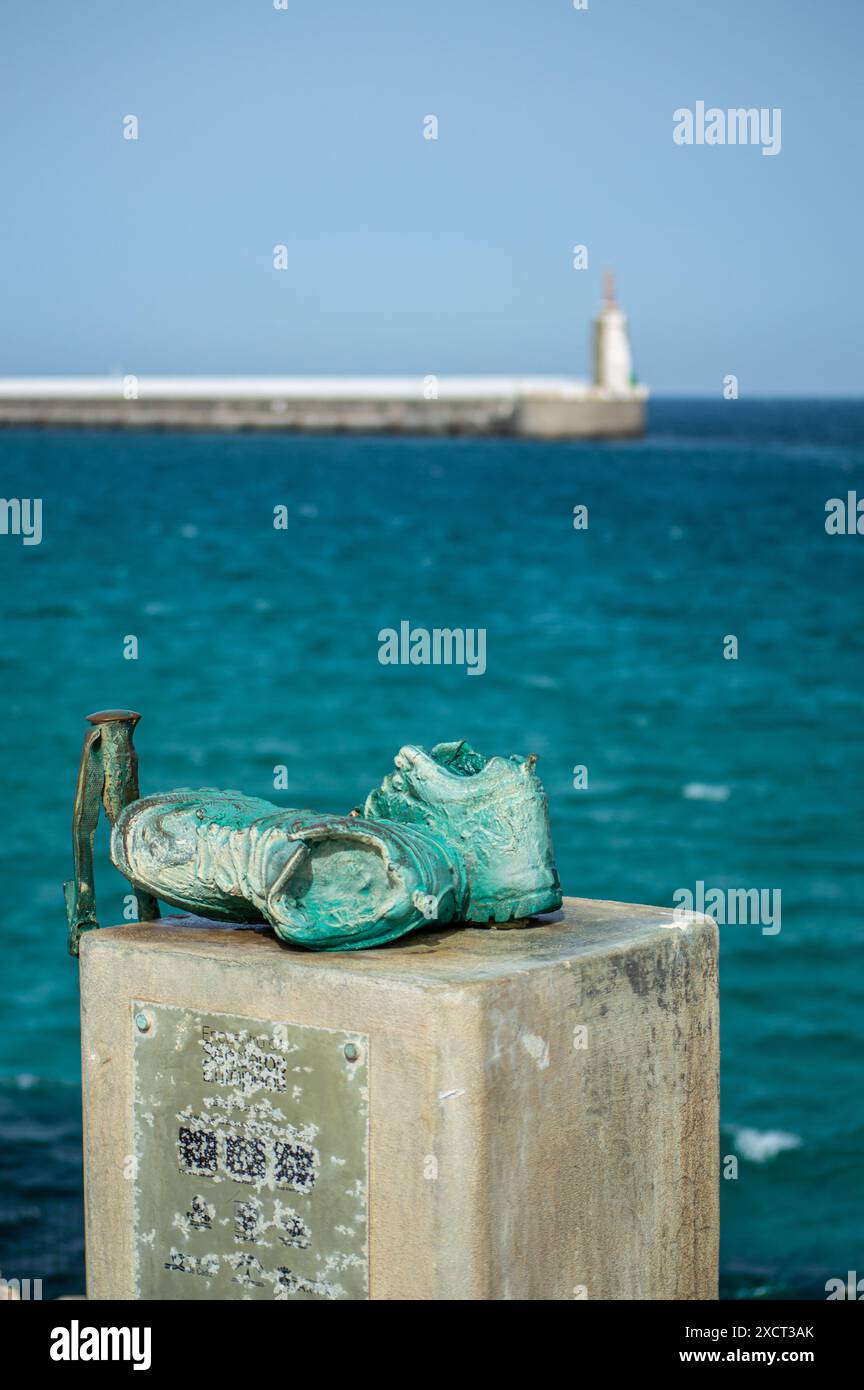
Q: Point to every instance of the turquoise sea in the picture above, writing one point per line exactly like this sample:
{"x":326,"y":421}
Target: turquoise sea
{"x":259,"y":647}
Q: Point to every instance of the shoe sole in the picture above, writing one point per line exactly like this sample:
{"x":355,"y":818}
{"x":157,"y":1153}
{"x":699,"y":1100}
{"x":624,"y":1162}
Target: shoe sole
{"x":528,"y":905}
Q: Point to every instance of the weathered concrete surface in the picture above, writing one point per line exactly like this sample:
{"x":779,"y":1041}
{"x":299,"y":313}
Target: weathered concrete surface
{"x":593,"y":417}
{"x":507,"y":1160}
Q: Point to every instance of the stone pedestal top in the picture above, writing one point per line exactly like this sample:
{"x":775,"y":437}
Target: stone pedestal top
{"x":451,"y":956}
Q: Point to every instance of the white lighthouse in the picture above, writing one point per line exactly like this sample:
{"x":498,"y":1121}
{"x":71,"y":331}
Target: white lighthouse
{"x":613,"y":364}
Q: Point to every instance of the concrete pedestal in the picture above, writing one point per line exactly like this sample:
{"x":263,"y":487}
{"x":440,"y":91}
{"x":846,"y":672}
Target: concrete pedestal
{"x":520,"y":1114}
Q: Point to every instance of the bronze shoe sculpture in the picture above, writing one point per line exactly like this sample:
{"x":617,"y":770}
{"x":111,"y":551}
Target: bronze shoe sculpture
{"x":449,"y":836}
{"x":491,"y":811}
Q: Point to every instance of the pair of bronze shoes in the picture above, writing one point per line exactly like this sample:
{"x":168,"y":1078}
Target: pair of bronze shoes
{"x":448,"y":836}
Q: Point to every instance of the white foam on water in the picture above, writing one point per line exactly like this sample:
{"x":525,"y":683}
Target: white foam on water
{"x":761,"y":1145}
{"x":705,"y":791}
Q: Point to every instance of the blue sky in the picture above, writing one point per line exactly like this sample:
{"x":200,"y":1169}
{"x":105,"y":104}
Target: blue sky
{"x":304,"y":127}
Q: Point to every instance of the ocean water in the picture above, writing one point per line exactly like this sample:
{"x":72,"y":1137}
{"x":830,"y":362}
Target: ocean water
{"x":259,"y":647}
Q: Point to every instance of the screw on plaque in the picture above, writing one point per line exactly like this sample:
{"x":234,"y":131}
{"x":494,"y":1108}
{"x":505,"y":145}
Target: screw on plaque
{"x":143,"y":1022}
{"x":352,"y":1052}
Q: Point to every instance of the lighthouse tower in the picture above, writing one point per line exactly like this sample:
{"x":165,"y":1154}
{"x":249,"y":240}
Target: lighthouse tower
{"x":613,"y":365}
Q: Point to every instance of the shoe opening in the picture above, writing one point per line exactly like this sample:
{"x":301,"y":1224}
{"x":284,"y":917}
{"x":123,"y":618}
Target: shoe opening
{"x":459,"y":758}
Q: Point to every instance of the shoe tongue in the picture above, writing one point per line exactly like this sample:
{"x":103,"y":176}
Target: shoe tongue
{"x":459,"y":758}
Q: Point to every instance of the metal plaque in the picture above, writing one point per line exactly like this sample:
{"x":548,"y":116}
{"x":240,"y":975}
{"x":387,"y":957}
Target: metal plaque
{"x":250,"y":1158}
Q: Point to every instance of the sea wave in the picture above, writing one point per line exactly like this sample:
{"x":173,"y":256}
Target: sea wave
{"x":705,"y":791}
{"x":761,"y":1145}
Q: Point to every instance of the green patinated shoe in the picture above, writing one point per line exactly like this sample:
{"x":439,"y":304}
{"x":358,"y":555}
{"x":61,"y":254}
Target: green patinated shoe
{"x":330,"y":883}
{"x":491,"y":812}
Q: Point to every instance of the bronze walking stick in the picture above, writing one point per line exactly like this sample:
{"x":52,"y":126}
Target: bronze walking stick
{"x":108,"y":773}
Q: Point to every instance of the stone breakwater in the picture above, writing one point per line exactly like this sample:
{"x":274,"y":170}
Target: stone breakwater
{"x":527,"y":407}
